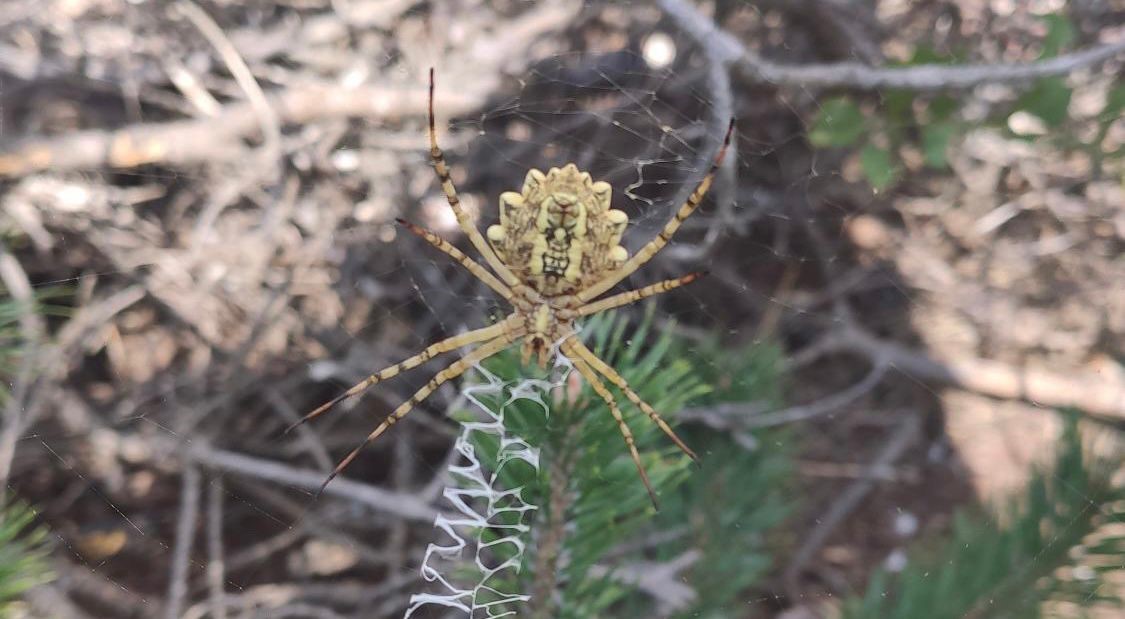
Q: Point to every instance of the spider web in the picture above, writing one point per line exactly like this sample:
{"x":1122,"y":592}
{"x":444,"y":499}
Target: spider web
{"x":224,"y":299}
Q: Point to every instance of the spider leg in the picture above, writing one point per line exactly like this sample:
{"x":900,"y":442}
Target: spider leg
{"x":646,"y":253}
{"x":574,"y":347}
{"x":454,"y":370}
{"x":473,"y":266}
{"x":446,"y":345}
{"x":633,"y":296}
{"x":600,"y":388}
{"x":463,"y":220}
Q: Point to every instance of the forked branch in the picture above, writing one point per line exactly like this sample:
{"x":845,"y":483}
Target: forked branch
{"x":858,"y":76}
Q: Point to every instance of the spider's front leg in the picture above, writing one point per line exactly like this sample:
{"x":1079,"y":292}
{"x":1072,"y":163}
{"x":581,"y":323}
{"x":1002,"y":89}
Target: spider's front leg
{"x":463,"y":219}
{"x":652,"y":247}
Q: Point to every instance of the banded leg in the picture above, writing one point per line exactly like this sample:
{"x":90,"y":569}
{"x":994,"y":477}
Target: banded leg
{"x":575,"y":348}
{"x":473,"y":266}
{"x":455,"y":369}
{"x":446,"y":345}
{"x":600,"y":388}
{"x":633,"y":296}
{"x":438,"y":159}
{"x":646,"y":253}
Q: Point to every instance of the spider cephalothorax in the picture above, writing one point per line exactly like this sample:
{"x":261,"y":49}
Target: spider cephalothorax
{"x":556,"y":249}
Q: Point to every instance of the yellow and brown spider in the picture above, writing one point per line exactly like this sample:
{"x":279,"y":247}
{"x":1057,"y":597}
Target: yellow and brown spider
{"x":555,"y":250}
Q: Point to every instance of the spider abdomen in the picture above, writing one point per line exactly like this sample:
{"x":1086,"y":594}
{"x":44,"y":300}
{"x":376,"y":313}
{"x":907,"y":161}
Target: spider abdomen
{"x":559,"y":233}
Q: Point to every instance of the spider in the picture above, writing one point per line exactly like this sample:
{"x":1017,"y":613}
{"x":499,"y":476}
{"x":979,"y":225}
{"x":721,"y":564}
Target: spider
{"x":556,"y":249}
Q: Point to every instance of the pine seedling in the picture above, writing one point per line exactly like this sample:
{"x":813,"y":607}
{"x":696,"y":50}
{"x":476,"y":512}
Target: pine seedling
{"x":1037,"y":551}
{"x":24,"y":549}
{"x":593,"y":516}
{"x":23,"y":545}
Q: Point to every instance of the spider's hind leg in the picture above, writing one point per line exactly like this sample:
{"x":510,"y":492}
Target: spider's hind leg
{"x":454,"y":370}
{"x":576,"y":347}
{"x":431,"y":351}
{"x":600,"y":388}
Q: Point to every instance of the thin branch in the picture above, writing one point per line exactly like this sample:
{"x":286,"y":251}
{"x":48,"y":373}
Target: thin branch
{"x":220,"y":138}
{"x":84,"y":582}
{"x":745,"y":416}
{"x":857,"y":76}
{"x":49,"y":361}
{"x":904,"y":437}
{"x":266,"y":117}
{"x":51,"y":600}
{"x":720,"y":114}
{"x":663,"y":581}
{"x":18,"y":285}
{"x":1087,"y":391}
{"x":823,"y":406}
{"x":309,"y":440}
{"x":1101,"y":397}
{"x":405,"y":505}
{"x":217,"y":139}
{"x":16,"y":415}
{"x":185,"y":537}
{"x":215,"y":561}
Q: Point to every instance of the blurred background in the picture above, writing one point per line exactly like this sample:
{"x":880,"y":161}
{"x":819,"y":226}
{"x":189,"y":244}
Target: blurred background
{"x":903,"y":371}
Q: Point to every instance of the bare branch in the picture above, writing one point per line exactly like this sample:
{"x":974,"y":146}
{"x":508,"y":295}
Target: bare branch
{"x":267,"y":118}
{"x":215,"y":562}
{"x":1098,"y":396}
{"x":16,"y":415}
{"x":858,"y":76}
{"x":1089,"y":392}
{"x":405,"y":505}
{"x":904,"y":437}
{"x":220,"y":138}
{"x":754,"y":417}
{"x":217,"y":139}
{"x":663,"y":581}
{"x":185,"y":536}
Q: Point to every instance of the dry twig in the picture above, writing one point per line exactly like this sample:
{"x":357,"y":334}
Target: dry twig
{"x":1086,"y":391}
{"x":405,"y":505}
{"x":220,"y":138}
{"x":904,"y":437}
{"x":267,"y":118}
{"x":215,"y":562}
{"x":857,"y":76}
{"x":185,"y":538}
{"x":16,"y":414}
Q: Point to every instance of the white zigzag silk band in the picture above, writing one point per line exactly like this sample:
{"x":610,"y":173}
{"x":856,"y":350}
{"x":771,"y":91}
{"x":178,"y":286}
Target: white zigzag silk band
{"x":479,"y":505}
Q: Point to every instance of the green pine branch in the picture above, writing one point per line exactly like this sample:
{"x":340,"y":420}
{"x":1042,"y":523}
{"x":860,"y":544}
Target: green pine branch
{"x":1037,"y":551}
{"x":24,"y":546}
{"x":24,"y":549}
{"x":594,"y":514}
